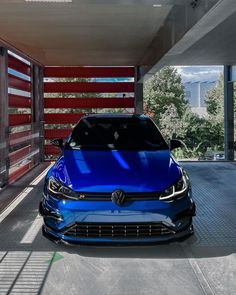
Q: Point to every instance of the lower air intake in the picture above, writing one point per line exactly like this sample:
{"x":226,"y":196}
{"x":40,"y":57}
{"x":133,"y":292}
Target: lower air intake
{"x":117,"y":230}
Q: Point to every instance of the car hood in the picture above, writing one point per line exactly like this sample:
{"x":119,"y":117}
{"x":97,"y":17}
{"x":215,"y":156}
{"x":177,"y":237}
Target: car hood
{"x":105,"y":171}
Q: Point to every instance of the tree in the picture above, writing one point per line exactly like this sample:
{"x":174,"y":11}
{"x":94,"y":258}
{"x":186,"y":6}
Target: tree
{"x":164,"y":101}
{"x":215,"y":103}
{"x":196,"y":138}
{"x":162,"y":90}
{"x":215,"y":110}
{"x":206,"y":133}
{"x":171,"y":124}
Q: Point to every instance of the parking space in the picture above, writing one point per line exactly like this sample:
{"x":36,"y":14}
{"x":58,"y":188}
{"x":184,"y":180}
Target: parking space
{"x":203,"y":264}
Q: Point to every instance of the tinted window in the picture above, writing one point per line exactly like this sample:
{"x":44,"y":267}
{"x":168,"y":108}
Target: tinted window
{"x":116,"y":133}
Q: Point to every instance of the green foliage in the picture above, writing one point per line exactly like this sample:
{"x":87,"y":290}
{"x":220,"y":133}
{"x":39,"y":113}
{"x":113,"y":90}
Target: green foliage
{"x":215,"y":110}
{"x":197,"y":138}
{"x":215,"y":105}
{"x":171,"y":123}
{"x":164,"y":101}
{"x":163,"y":89}
{"x":215,"y":100}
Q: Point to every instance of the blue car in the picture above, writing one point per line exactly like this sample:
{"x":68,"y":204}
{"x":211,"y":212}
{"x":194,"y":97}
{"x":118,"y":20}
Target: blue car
{"x":116,"y":182}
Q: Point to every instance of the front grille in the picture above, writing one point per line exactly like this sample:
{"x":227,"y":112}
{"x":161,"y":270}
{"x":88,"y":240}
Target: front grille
{"x":128,"y":196}
{"x":118,"y":230}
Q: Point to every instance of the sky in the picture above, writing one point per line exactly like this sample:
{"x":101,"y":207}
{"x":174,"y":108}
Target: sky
{"x":188,"y":74}
{"x":199,"y":73}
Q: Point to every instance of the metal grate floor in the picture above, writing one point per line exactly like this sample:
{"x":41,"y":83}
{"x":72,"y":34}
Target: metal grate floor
{"x":203,"y":264}
{"x":214,"y":191}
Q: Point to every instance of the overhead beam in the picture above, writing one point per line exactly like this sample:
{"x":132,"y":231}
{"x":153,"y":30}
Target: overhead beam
{"x":13,"y":49}
{"x":182,"y":29}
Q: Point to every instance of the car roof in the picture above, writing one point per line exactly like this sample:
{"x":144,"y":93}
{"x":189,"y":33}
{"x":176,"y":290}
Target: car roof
{"x":112,"y":116}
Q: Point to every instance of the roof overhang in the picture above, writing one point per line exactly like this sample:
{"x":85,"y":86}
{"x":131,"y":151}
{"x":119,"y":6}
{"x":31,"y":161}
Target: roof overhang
{"x":145,"y":33}
{"x":83,"y":32}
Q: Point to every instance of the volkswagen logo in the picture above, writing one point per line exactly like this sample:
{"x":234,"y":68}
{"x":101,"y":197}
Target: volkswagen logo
{"x":118,"y":197}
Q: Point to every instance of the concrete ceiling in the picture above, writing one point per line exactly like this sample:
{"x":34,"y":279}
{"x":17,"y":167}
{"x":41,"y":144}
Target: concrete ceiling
{"x":122,"y":32}
{"x":82,"y":32}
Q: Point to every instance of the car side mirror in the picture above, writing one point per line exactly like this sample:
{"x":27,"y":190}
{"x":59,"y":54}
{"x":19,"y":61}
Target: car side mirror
{"x":175,"y":143}
{"x":58,"y":142}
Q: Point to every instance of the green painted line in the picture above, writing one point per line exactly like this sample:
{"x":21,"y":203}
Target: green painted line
{"x":55,"y":257}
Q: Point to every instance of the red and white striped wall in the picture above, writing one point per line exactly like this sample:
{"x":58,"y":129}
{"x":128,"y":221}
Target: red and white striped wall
{"x":33,"y":100}
{"x":102,"y":95}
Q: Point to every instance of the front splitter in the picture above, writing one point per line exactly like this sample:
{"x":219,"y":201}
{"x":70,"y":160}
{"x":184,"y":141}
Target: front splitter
{"x":60,"y":238}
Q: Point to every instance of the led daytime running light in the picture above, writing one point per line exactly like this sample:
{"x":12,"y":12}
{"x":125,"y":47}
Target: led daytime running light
{"x":175,"y":193}
{"x":58,"y":189}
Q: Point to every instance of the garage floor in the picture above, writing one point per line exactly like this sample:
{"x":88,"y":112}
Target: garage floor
{"x":203,"y":264}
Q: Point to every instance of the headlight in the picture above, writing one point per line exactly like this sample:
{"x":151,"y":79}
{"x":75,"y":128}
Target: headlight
{"x":59,"y":190}
{"x":177,"y":190}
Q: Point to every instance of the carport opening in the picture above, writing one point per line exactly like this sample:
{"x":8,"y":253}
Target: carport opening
{"x":45,"y":103}
{"x":190,"y":109}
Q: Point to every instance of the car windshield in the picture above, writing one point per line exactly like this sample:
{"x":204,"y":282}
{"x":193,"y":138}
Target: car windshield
{"x":133,"y":133}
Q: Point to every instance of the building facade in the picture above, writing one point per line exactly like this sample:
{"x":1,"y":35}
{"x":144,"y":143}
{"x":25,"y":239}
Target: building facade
{"x":195,"y":94}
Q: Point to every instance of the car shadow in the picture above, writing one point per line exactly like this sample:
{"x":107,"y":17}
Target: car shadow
{"x":192,"y":247}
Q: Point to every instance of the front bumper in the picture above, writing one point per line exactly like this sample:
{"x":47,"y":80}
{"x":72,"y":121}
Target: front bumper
{"x":60,"y":238}
{"x":105,"y":222}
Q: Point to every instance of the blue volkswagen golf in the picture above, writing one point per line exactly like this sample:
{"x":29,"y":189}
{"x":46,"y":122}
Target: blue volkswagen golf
{"x":116,"y":182}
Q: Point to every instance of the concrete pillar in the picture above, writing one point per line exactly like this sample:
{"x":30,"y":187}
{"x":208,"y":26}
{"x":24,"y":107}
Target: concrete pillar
{"x":228,"y":114}
{"x":4,"y":122}
{"x":138,"y":93}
